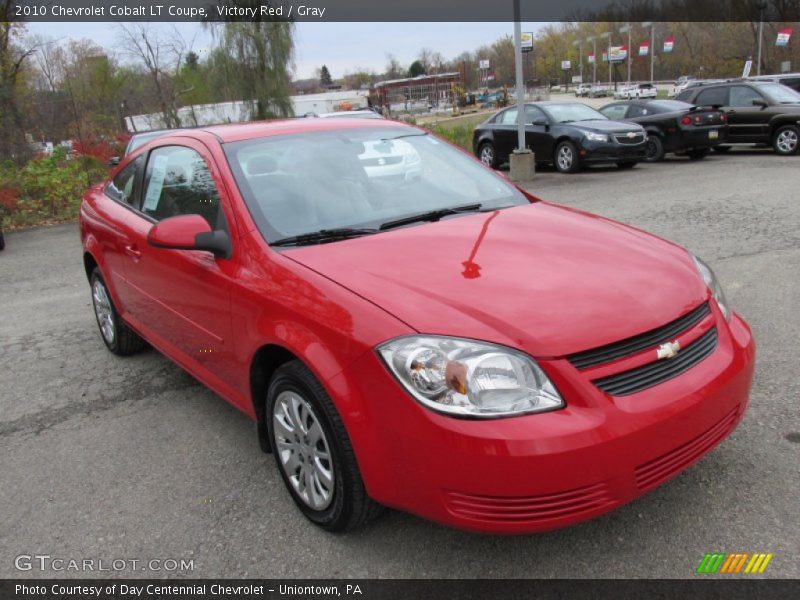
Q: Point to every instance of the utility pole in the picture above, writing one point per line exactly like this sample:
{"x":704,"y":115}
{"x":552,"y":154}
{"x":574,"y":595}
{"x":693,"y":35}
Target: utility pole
{"x":627,"y":27}
{"x":579,"y":44}
{"x":522,"y":161}
{"x":761,"y":7}
{"x":594,"y":54}
{"x":652,"y":27}
{"x":607,"y":35}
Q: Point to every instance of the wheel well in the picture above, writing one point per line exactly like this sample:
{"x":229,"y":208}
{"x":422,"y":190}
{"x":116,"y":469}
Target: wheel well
{"x":265,"y":362}
{"x":89,"y":263}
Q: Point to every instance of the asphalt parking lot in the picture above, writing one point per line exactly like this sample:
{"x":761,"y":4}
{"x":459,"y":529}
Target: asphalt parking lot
{"x":102,"y":457}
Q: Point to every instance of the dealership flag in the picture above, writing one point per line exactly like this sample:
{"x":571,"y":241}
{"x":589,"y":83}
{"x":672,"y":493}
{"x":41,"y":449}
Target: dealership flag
{"x":644,"y":48}
{"x":669,"y":43}
{"x":591,"y":57}
{"x":783,"y":36}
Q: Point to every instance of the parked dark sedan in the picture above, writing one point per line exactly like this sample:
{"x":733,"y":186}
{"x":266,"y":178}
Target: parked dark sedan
{"x":672,"y":126}
{"x":568,"y":135}
{"x":758,"y":112}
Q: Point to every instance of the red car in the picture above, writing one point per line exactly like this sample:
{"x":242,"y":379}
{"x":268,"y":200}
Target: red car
{"x":410,"y":330}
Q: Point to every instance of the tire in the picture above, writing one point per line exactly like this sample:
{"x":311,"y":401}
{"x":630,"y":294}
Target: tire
{"x":487,"y":155}
{"x":2,"y":240}
{"x":786,"y":140}
{"x":295,"y":396}
{"x":565,"y":158}
{"x":117,"y":336}
{"x":654,"y":148}
{"x":697,"y":154}
{"x":722,"y":149}
{"x":627,"y":164}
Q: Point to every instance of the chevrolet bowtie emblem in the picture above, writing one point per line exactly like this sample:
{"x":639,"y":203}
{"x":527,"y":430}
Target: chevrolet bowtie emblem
{"x":668,"y":350}
{"x":631,"y":134}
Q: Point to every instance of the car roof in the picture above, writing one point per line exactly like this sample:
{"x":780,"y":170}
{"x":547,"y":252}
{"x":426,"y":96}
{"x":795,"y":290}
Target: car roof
{"x":256,"y":129}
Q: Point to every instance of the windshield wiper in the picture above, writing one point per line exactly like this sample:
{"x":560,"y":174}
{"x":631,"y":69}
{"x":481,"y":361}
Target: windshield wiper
{"x":322,"y":236}
{"x":433,"y":215}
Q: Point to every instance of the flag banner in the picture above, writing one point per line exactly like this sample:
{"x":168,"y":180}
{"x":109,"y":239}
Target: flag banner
{"x":618,"y":53}
{"x":644,"y":48}
{"x":591,"y":57}
{"x":669,"y":43}
{"x":783,"y":36}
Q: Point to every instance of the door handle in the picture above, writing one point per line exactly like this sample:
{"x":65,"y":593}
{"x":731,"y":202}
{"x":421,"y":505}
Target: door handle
{"x":132,"y":251}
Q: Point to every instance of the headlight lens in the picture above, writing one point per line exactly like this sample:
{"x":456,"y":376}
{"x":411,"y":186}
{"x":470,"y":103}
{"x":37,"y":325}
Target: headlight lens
{"x":596,"y":137}
{"x":713,"y":284}
{"x":469,"y":378}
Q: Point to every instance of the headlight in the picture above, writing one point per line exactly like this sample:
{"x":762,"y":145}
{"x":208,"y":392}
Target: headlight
{"x":716,"y":289}
{"x":469,"y":378}
{"x":596,"y":137}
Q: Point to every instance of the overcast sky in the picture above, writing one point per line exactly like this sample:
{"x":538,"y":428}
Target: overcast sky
{"x":342,"y":47}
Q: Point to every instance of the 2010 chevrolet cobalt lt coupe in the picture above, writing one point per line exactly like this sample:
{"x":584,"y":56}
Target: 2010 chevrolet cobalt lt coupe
{"x":408,"y":329}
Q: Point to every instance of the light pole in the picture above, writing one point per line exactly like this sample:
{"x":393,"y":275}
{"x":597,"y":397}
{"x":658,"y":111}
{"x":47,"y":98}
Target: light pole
{"x":579,"y":44}
{"x":594,"y":54}
{"x":522,"y":162}
{"x":652,"y":27}
{"x":627,"y":27}
{"x":607,"y":35}
{"x":761,"y":6}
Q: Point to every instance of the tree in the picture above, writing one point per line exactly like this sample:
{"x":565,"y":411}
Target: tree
{"x":394,"y":69}
{"x":325,"y":76}
{"x":258,"y":63}
{"x":192,"y":60}
{"x":416,"y":69}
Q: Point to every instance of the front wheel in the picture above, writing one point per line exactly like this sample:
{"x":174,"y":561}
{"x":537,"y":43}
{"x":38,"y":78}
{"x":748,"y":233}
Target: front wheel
{"x":566,"y":158}
{"x":313,"y":451}
{"x":487,"y":155}
{"x":654,"y":148}
{"x":785,"y":140}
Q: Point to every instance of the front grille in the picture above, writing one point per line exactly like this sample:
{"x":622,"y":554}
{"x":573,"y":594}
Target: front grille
{"x":637,"y":343}
{"x":529,"y":508}
{"x":640,"y":378}
{"x":657,"y":471}
{"x":623,"y":138}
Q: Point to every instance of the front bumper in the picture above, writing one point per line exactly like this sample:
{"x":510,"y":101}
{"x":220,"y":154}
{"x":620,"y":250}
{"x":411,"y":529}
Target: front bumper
{"x":538,"y":472}
{"x":599,"y":152}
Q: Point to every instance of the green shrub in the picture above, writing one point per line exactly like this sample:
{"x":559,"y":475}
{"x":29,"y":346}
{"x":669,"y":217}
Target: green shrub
{"x":460,"y":135}
{"x":47,"y":189}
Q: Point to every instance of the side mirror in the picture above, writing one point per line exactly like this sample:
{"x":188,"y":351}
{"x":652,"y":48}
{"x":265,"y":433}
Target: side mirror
{"x":760,"y":102}
{"x":189,"y":232}
{"x":113,"y":161}
{"x":540,"y":121}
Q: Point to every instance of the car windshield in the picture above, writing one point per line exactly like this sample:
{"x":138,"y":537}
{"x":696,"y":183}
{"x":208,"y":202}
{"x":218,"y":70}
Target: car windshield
{"x":357,"y":178}
{"x":568,"y":113}
{"x":779,"y":93}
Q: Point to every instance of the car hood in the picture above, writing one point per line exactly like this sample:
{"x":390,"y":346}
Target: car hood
{"x":606,"y":126}
{"x":546,"y":279}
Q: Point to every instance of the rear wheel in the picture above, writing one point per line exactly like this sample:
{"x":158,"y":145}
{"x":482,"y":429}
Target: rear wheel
{"x":785,"y":140}
{"x":566,"y":158}
{"x":697,"y":154}
{"x":487,"y":155}
{"x":654,"y":148}
{"x":313,"y":451}
{"x":117,"y":336}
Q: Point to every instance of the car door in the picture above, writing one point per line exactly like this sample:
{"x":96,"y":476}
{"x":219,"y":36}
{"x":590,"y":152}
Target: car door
{"x":746,"y":121}
{"x":537,"y":136}
{"x":182,"y":297}
{"x":505,"y":133}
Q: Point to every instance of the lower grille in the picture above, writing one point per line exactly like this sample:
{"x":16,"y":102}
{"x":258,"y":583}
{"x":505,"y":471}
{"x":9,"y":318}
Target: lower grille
{"x":531,"y":508}
{"x":655,"y":472}
{"x":640,"y":378}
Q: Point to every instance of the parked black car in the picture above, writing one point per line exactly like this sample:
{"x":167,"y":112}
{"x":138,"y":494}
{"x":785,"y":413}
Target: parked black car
{"x":758,"y":112}
{"x":672,"y":126}
{"x":566,"y":134}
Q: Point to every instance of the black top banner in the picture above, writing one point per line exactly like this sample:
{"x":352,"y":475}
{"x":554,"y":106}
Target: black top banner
{"x":402,"y":10}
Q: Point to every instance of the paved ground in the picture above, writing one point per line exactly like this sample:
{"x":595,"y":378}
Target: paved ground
{"x":107,"y":458}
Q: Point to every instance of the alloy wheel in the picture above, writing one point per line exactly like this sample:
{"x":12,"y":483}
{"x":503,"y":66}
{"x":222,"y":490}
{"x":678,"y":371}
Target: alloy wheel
{"x":565,"y":158}
{"x":104,"y":312}
{"x":487,"y":155}
{"x":787,"y":141}
{"x":303,"y":450}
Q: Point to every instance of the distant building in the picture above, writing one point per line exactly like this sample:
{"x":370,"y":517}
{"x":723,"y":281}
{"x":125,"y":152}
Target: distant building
{"x":431,"y":89}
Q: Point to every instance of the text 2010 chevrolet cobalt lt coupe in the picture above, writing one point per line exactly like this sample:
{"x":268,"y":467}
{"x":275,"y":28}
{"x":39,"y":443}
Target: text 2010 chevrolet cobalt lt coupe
{"x":408,"y":329}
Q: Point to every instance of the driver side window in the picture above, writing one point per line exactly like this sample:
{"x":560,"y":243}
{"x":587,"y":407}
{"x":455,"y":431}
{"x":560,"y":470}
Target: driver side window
{"x":178,"y":182}
{"x":615,"y":112}
{"x":509,"y":117}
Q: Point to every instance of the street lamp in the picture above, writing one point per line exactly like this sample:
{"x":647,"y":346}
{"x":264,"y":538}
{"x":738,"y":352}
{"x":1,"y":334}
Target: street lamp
{"x":607,"y":35}
{"x":761,"y":6}
{"x":579,"y":44}
{"x":593,"y":39}
{"x":652,"y":27}
{"x":627,"y":27}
